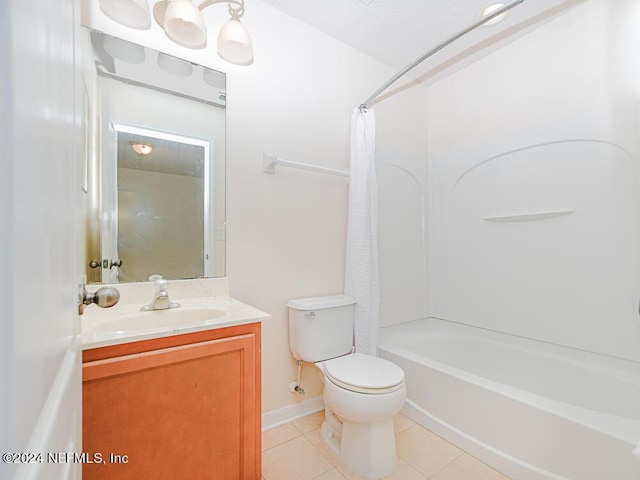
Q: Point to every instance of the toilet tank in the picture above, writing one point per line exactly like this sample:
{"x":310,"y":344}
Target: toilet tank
{"x":320,"y":327}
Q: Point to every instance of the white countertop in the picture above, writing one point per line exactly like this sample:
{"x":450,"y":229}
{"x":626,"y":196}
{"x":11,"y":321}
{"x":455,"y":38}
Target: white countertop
{"x":125,"y":323}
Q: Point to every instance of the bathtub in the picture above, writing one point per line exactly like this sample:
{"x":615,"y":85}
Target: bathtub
{"x":530,"y":409}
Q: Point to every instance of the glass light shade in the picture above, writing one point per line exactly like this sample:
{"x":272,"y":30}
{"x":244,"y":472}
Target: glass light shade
{"x":175,"y":66}
{"x":234,"y":43}
{"x":131,"y":13}
{"x":123,"y":50}
{"x":184,"y":24}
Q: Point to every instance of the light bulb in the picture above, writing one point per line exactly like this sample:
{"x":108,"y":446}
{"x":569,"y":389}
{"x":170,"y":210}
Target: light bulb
{"x":141,"y":148}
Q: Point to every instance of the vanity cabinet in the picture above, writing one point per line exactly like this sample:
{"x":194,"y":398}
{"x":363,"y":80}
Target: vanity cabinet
{"x":179,"y":407}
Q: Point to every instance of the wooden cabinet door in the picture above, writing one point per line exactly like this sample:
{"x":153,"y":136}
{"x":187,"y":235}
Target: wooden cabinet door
{"x":184,"y":412}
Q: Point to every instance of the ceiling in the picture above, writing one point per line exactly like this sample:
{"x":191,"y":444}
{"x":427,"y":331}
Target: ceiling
{"x":398,"y":32}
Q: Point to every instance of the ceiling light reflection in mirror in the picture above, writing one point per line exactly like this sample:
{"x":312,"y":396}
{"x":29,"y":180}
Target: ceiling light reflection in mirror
{"x":130,"y":62}
{"x":164,"y":212}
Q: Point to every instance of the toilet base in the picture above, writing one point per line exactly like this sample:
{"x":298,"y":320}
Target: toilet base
{"x":369,"y":449}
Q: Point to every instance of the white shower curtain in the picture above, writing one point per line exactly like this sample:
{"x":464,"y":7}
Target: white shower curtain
{"x":361,"y":269}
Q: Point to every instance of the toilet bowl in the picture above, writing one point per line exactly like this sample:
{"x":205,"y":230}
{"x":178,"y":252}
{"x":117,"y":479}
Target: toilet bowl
{"x":361,"y":392}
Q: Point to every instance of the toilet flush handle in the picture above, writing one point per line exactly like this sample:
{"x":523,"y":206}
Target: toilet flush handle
{"x":310,"y":315}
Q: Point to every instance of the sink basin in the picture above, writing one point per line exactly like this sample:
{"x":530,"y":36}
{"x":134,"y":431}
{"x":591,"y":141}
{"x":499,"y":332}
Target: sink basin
{"x":157,"y":319}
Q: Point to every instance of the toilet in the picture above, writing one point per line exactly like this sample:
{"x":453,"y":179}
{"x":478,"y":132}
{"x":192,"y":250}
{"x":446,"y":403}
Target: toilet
{"x":361,"y":394}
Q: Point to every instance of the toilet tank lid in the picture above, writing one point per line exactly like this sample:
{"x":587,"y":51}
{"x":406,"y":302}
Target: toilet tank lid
{"x":316,"y":303}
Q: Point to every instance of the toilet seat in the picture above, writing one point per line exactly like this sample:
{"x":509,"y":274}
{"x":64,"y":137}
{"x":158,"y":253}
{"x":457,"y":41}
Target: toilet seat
{"x":364,"y":374}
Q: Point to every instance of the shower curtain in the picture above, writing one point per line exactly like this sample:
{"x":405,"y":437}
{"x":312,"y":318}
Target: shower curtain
{"x":361,"y":269}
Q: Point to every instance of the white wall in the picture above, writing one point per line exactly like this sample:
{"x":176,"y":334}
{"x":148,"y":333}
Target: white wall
{"x":40,"y":197}
{"x":286,"y":232}
{"x":549,"y":122}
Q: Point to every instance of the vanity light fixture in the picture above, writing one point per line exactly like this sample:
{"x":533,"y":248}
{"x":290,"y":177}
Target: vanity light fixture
{"x":183,"y":23}
{"x":492,"y":8}
{"x":141,"y":148}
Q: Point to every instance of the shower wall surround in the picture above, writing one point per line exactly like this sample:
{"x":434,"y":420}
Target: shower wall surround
{"x":547,"y":124}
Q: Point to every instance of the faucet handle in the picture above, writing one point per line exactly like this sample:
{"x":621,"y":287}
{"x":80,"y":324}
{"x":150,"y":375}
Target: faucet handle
{"x":161,"y":284}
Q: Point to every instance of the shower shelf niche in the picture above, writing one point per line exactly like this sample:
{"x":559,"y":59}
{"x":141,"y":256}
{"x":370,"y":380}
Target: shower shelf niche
{"x":527,"y":217}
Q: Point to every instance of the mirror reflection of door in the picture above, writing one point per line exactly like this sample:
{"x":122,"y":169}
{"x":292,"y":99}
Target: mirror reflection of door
{"x":161,"y":220}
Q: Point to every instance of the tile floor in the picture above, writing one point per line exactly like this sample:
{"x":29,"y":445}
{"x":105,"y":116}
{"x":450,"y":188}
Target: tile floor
{"x":295,"y":451}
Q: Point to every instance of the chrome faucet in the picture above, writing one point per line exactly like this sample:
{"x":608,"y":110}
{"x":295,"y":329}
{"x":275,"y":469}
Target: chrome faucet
{"x":161,"y":298}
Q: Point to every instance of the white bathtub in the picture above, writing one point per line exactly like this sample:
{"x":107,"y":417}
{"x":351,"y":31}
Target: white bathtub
{"x":530,"y":409}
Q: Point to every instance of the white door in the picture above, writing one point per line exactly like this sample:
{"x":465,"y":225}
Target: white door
{"x":40,"y":239}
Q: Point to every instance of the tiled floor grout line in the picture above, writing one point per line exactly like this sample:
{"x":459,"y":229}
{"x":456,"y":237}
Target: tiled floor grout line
{"x":282,"y":443}
{"x":320,"y":451}
{"x":334,"y":466}
{"x":447,"y":465}
{"x":324,"y":473}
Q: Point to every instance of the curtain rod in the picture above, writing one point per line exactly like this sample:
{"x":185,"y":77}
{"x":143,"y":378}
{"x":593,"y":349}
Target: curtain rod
{"x":505,"y":8}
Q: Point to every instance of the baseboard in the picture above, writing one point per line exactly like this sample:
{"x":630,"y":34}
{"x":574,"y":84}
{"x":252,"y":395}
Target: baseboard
{"x":283,"y":415}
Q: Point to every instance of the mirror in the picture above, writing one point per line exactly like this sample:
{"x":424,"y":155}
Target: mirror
{"x":156,"y":165}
